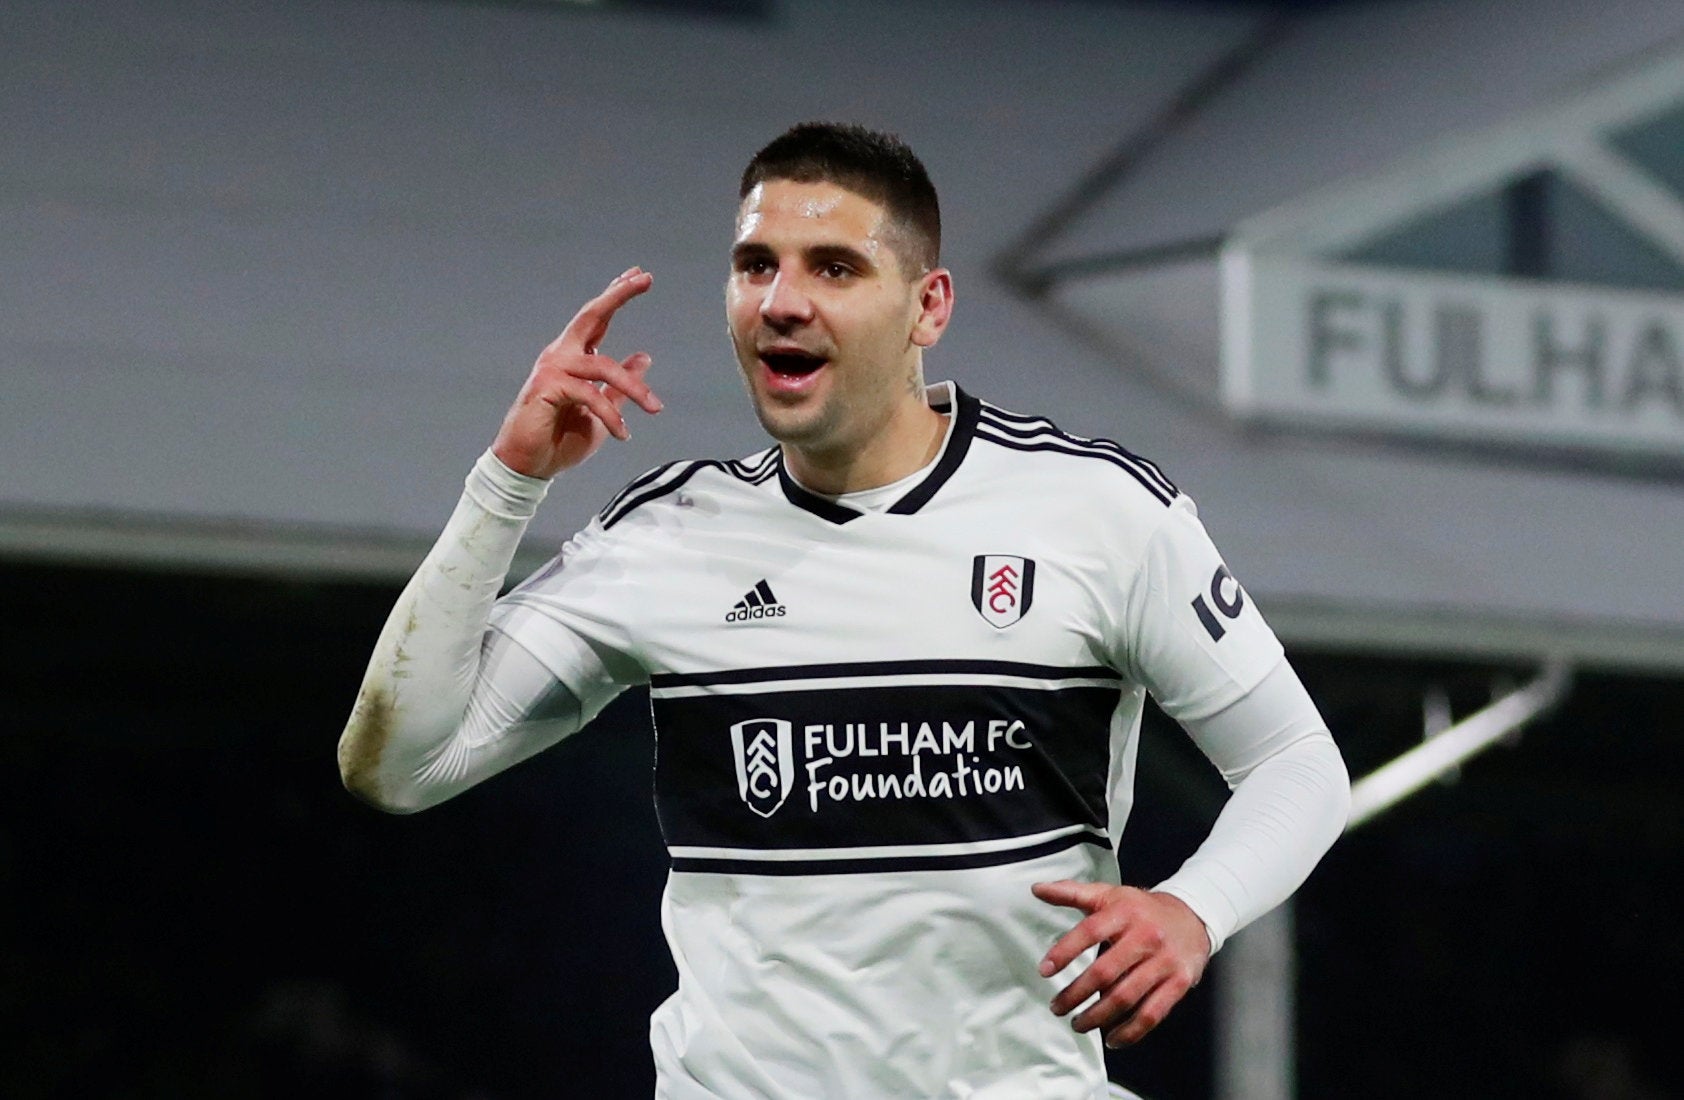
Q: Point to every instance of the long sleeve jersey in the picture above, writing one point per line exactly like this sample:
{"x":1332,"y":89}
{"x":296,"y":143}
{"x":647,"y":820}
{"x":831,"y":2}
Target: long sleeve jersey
{"x":879,"y":719}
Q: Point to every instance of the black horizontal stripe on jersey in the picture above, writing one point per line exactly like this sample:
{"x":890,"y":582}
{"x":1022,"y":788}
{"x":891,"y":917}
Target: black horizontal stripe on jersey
{"x":860,"y":765}
{"x":1032,"y":427}
{"x":863,"y":865}
{"x":655,"y":484}
{"x":1058,"y":445}
{"x":957,"y":666}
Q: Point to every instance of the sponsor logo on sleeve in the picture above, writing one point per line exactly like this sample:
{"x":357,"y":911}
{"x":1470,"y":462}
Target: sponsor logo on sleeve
{"x":1228,"y":598}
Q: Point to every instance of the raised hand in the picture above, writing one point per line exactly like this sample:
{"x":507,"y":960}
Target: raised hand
{"x":572,"y":399}
{"x":1154,"y":949}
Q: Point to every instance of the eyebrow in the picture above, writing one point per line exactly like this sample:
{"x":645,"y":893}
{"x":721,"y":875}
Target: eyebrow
{"x":813,"y":254}
{"x":828,"y":253}
{"x":748,"y":250}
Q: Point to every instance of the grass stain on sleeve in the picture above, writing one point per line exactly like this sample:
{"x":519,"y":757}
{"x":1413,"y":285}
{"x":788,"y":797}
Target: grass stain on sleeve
{"x":364,"y":742}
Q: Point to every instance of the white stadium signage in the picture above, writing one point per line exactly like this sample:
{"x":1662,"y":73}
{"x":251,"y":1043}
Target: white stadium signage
{"x":1523,"y":284}
{"x":1482,"y":358}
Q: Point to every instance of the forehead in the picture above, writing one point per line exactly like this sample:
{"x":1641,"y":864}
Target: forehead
{"x":807,"y":211}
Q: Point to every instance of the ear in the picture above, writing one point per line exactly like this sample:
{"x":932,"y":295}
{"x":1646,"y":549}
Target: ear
{"x":935,"y":302}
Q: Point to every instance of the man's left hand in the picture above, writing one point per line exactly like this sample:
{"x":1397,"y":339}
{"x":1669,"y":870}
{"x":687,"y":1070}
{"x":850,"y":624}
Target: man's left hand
{"x":1153,"y":950}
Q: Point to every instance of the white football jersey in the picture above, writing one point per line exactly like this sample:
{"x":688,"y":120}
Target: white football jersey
{"x":876,"y":729}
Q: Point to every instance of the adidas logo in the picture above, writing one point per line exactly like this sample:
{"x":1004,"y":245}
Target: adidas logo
{"x":759,"y":603}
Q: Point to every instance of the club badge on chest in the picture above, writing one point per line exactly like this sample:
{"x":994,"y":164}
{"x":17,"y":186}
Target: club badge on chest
{"x":1002,"y":588}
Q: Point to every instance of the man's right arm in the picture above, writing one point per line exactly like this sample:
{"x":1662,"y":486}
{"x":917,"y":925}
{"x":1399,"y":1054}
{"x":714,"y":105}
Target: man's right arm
{"x":435,"y":714}
{"x":446,"y":701}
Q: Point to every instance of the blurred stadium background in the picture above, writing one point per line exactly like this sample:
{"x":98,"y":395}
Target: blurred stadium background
{"x":1394,"y":288}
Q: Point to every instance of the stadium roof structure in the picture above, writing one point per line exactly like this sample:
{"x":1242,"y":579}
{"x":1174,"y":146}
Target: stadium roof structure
{"x":300,"y":314}
{"x":1309,"y":213}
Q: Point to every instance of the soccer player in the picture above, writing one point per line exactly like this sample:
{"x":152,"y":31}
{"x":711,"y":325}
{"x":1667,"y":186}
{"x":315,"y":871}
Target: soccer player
{"x":897,"y":662}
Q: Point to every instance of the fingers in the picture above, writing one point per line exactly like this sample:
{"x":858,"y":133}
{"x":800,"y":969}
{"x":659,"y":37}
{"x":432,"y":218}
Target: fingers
{"x":1147,"y":1015}
{"x":1116,"y":1005}
{"x":600,"y":385}
{"x":1148,"y":957}
{"x":1136,"y":988}
{"x":570,"y":390}
{"x":572,"y":399}
{"x":628,"y":382}
{"x":590,"y":325}
{"x":625,"y":381}
{"x":1112,"y":965}
{"x":574,"y":353}
{"x":1100,"y":924}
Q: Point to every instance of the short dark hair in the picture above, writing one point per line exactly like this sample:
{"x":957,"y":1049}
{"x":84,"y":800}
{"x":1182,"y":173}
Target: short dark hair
{"x":875,"y":165}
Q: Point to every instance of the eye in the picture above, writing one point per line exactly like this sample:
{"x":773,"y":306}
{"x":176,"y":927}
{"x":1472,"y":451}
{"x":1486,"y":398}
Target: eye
{"x":836,"y":269}
{"x":756,"y":266}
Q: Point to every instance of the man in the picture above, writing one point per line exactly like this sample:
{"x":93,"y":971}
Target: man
{"x":897,"y":663}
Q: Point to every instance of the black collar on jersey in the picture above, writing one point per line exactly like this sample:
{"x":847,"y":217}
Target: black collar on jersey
{"x":964,"y":427}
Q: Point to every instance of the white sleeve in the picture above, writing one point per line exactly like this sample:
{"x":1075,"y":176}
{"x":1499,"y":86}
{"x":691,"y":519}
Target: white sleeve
{"x":1291,"y":799}
{"x":1189,"y":633}
{"x":447,"y":701}
{"x":1197,"y":641}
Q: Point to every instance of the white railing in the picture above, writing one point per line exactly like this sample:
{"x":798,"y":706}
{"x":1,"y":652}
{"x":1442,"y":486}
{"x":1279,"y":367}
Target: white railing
{"x":1444,"y":750}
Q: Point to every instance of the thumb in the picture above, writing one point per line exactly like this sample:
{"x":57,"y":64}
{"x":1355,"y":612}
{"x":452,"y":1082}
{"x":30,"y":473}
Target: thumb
{"x":1086,"y":896}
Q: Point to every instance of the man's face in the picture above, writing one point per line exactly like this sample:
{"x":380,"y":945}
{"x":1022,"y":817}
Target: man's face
{"x":825,"y":322}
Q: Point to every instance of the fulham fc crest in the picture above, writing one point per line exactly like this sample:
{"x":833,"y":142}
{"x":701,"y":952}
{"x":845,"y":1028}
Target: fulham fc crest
{"x":765,"y":763}
{"x":1002,"y":587}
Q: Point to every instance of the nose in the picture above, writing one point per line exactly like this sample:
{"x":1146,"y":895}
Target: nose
{"x":785,"y":305}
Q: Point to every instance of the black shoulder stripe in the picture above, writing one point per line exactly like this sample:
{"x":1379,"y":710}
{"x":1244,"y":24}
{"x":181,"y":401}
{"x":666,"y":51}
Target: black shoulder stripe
{"x":1025,"y":428}
{"x":1145,"y":463}
{"x":1096,"y":446}
{"x":634,"y":485}
{"x":756,"y":468}
{"x":685,"y":471}
{"x":1060,"y":446}
{"x":1030,"y":427}
{"x":1002,"y":416}
{"x":655,"y":484}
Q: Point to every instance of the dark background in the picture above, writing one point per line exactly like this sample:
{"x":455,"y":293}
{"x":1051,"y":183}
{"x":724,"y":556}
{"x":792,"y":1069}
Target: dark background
{"x":191,"y":906}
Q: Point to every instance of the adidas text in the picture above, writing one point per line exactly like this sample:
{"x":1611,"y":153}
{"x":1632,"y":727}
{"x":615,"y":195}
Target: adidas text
{"x":743,"y":614}
{"x":757,"y":603}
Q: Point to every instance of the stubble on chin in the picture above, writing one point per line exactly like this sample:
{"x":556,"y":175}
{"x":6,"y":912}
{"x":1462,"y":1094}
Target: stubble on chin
{"x":790,"y":428}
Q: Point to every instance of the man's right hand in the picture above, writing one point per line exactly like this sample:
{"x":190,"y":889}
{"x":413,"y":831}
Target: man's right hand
{"x":571,"y":402}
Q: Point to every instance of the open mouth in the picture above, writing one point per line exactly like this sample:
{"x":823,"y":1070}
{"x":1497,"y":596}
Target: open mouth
{"x":791,"y":362}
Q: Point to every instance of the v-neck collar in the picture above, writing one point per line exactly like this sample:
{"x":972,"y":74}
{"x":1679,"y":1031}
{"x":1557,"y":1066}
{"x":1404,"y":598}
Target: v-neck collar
{"x":943,"y":397}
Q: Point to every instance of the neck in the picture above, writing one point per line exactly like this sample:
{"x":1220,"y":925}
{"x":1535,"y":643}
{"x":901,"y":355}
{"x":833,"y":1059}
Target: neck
{"x":906,"y":444}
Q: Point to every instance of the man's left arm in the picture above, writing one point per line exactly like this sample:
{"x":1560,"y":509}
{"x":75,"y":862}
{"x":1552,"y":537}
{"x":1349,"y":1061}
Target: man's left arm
{"x":1200,"y":646}
{"x":1291,"y":798}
